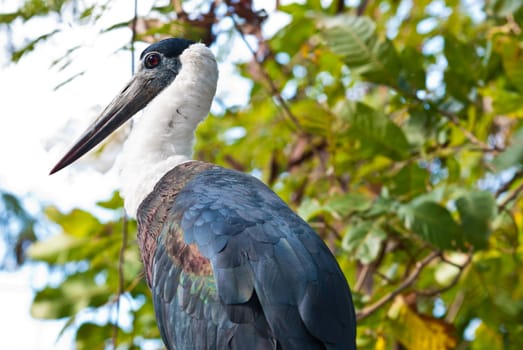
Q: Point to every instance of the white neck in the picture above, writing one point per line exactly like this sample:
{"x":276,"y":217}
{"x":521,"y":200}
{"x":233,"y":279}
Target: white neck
{"x":163,"y":136}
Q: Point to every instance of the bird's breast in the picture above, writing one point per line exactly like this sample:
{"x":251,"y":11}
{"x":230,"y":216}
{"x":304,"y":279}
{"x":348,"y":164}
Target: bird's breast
{"x":155,"y":217}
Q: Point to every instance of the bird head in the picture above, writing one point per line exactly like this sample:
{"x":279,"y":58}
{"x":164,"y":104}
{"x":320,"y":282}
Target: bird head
{"x":160,"y":64}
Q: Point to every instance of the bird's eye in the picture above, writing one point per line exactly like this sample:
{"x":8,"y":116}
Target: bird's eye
{"x":152,"y":60}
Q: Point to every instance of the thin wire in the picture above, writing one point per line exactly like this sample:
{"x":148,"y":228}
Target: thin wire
{"x":133,"y":36}
{"x":125,"y":219}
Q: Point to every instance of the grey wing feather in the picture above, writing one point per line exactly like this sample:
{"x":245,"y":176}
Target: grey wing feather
{"x":260,"y":249}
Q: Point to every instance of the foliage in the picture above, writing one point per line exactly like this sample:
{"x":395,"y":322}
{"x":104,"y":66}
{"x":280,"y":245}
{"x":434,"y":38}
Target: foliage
{"x":395,"y":130}
{"x":18,"y":230}
{"x":99,"y":268}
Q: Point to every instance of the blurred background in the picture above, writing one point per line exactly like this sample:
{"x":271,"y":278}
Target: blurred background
{"x":393,"y":127}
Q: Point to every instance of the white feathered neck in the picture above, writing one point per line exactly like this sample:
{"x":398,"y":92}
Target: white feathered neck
{"x":163,"y":136}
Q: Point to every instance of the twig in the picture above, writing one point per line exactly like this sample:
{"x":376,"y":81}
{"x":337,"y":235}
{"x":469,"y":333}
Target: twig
{"x":301,"y":157}
{"x":361,"y":7}
{"x":436,"y":291}
{"x":273,"y":89}
{"x":177,"y":5}
{"x":235,"y":164}
{"x":332,"y":229}
{"x":513,"y":25}
{"x":121,"y":280}
{"x":510,"y":197}
{"x":517,"y":175}
{"x":340,"y":6}
{"x":453,"y":118}
{"x":404,"y":285}
{"x":385,"y":278}
{"x":363,"y":276}
{"x":450,"y":262}
{"x":275,"y":93}
{"x":454,"y":307}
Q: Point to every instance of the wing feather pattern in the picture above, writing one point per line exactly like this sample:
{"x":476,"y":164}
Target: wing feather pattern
{"x":273,"y":283}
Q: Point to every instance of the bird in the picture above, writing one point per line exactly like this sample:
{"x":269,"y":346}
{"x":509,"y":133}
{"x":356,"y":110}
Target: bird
{"x":229,"y":264}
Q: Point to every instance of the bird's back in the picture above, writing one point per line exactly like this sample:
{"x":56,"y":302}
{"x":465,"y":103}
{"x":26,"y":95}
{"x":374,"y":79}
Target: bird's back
{"x":231,"y":266}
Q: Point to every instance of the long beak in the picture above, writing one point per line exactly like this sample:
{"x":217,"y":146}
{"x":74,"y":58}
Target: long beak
{"x":134,"y":97}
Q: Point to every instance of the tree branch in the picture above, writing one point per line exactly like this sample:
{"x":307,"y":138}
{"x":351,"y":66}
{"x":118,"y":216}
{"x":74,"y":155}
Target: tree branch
{"x":121,"y":280}
{"x":454,"y":307}
{"x":177,"y":5}
{"x":506,"y":185}
{"x":340,"y":6}
{"x":361,"y":7}
{"x":275,"y":93}
{"x":420,"y":265}
{"x":273,"y":89}
{"x":363,"y":276}
{"x":455,"y":280}
{"x":454,"y":119}
{"x":510,"y":197}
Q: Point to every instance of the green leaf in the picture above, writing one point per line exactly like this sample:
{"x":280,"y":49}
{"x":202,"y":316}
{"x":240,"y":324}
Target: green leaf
{"x":433,"y":223}
{"x":309,"y":208}
{"x":18,"y":230}
{"x":78,"y":223}
{"x":464,"y":68}
{"x":502,"y":9}
{"x":17,"y":55}
{"x":6,"y":18}
{"x":363,"y":241}
{"x":382,"y":206}
{"x":30,"y":9}
{"x":115,"y":202}
{"x":339,"y":206}
{"x":477,"y":210}
{"x":351,"y":37}
{"x":512,"y":155}
{"x":385,"y":67}
{"x":486,"y":338}
{"x":410,"y":181}
{"x":312,"y":117}
{"x":345,"y":204}
{"x":504,"y":101}
{"x":73,"y":295}
{"x":92,"y":336}
{"x":412,"y":74}
{"x":294,"y":36}
{"x":377,"y":133}
{"x":461,"y":56}
{"x":512,"y":56}
{"x":54,"y":249}
{"x":118,"y":25}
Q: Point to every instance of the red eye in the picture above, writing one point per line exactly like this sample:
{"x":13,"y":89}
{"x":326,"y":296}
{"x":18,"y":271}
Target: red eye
{"x":152,"y":60}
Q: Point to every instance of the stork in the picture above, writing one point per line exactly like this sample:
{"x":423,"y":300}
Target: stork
{"x":229,"y":264}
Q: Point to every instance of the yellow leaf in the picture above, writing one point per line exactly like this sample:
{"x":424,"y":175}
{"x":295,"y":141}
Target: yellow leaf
{"x":417,"y":331}
{"x":381,"y":344}
{"x":518,"y":218}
